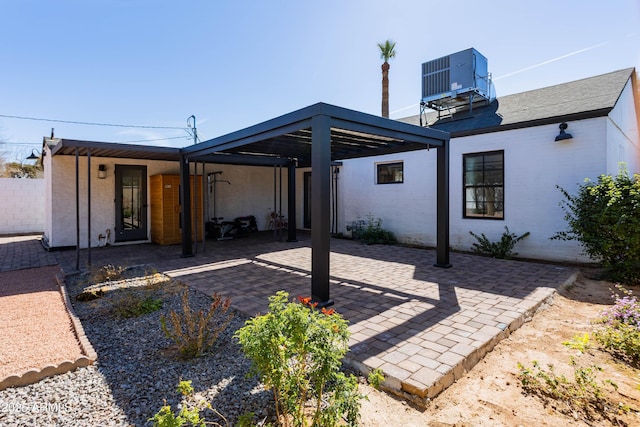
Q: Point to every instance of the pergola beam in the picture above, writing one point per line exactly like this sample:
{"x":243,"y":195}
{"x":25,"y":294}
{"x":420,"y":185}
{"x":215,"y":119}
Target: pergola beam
{"x":356,"y":134}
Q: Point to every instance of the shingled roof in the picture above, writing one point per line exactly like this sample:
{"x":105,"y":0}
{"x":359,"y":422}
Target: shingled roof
{"x":580,"y":99}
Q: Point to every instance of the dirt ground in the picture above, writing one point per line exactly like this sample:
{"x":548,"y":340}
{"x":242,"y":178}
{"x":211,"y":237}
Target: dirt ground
{"x":491,"y":395}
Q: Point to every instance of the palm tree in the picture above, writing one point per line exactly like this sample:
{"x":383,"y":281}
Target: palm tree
{"x":387,"y":51}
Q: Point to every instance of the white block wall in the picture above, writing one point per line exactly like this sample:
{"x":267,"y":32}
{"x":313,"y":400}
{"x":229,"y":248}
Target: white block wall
{"x":534,"y":164}
{"x":21,"y":206}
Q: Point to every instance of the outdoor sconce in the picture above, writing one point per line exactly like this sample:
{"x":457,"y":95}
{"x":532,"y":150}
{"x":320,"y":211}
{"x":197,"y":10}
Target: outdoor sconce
{"x":563,"y":135}
{"x":102,"y":171}
{"x":33,"y":155}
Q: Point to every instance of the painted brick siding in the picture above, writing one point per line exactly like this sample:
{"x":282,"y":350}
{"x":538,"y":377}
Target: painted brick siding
{"x":534,"y":164}
{"x":22,"y":206}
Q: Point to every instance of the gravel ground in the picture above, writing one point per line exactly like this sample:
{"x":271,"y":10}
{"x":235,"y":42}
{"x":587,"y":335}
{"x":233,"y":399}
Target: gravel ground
{"x":137,"y":369}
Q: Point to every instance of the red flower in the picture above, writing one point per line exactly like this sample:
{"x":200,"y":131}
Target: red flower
{"x":328,"y":312}
{"x":304,"y":300}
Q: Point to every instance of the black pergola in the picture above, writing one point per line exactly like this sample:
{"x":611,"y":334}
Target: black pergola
{"x":315,"y":136}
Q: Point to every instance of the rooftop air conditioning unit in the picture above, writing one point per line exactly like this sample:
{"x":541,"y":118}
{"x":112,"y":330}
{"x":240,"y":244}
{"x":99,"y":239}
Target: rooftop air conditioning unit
{"x":455,"y":80}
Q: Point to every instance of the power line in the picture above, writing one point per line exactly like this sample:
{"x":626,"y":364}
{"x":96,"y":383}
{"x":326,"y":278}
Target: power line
{"x":151,"y":140}
{"x":118,"y":142}
{"x":90,"y":123}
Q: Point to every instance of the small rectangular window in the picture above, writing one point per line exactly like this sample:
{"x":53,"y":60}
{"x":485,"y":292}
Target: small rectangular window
{"x":483,"y":185}
{"x":390,"y":173}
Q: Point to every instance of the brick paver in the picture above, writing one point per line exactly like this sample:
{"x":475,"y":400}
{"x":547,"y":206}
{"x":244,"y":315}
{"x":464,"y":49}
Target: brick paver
{"x":423,"y":325}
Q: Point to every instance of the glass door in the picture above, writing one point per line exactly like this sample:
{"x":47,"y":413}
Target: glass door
{"x":131,"y":203}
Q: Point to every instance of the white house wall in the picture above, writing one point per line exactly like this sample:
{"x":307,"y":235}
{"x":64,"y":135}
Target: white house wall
{"x":250,"y":193}
{"x":534,"y":164}
{"x":407,"y":209}
{"x":623,"y":138}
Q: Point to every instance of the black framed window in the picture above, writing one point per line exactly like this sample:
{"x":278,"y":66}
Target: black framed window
{"x":483,"y":183}
{"x":390,"y":173}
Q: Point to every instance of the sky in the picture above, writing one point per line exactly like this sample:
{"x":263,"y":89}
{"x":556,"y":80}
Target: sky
{"x":233,"y":64}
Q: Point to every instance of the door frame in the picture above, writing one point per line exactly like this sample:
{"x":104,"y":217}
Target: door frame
{"x":141,"y":233}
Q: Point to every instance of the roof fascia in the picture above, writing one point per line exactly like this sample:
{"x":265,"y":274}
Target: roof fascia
{"x":72,"y":143}
{"x":538,"y":122}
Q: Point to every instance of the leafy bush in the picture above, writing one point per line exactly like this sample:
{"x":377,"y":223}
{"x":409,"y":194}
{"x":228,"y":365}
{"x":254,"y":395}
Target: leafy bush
{"x":619,"y":330}
{"x":297,"y":351}
{"x":501,"y":249}
{"x":195,"y":332}
{"x":374,"y":234}
{"x":604,"y":218}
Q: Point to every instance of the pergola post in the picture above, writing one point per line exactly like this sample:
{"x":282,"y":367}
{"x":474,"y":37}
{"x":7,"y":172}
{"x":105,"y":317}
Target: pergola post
{"x":291,"y":202}
{"x":442,"y":195}
{"x":185,"y":202}
{"x":320,"y":208}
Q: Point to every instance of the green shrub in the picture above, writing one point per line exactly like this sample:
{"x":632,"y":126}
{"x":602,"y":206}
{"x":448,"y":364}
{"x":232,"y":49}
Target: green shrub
{"x":375,"y":378}
{"x":189,"y":414}
{"x":604,"y":218}
{"x":297,"y":351}
{"x":619,"y":327}
{"x":579,"y":342}
{"x":374,"y":234}
{"x":502,"y":249}
{"x":134,"y":305}
{"x":195,"y":332}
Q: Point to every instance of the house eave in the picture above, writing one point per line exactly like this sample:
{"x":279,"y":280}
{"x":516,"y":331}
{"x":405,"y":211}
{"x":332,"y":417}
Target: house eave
{"x":603,"y":112}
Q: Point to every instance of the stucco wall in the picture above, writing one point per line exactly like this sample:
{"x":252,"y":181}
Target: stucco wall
{"x":22,"y":206}
{"x":534,"y":164}
{"x":250,"y":193}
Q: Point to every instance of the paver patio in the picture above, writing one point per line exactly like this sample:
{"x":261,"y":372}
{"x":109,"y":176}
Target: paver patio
{"x":423,"y":326}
